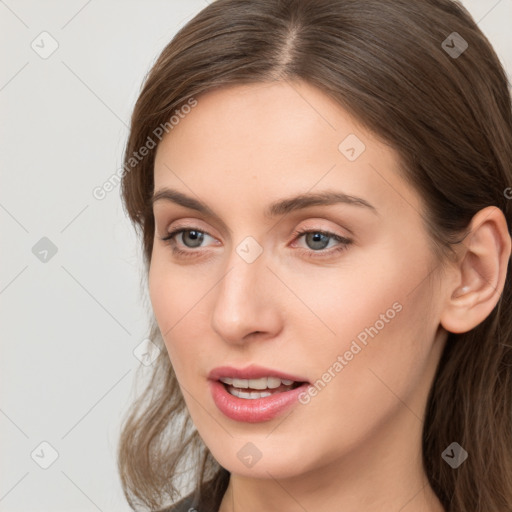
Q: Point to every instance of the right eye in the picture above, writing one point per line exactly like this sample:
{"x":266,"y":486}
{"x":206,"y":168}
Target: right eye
{"x":190,"y":237}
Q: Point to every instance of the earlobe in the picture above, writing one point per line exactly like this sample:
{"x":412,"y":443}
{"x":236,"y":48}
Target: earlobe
{"x":481,"y":272}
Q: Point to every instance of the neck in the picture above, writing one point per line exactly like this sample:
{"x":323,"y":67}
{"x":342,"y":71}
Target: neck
{"x":384,"y":473}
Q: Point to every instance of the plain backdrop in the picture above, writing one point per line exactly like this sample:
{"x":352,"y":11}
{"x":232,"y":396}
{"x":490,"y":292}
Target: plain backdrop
{"x":71,"y":304}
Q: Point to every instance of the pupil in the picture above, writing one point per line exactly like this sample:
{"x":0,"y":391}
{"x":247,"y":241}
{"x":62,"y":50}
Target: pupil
{"x":318,"y":238}
{"x":196,"y":237}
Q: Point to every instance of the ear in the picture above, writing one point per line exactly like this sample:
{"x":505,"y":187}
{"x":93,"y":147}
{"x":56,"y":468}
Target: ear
{"x":480,"y":272}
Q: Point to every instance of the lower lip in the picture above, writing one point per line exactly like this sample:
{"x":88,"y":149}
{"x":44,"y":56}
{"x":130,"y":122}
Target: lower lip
{"x":253,"y":410}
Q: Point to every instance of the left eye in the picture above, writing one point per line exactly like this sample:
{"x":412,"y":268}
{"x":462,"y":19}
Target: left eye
{"x":318,"y":240}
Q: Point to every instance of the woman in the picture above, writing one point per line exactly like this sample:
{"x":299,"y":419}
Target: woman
{"x":323,"y":192}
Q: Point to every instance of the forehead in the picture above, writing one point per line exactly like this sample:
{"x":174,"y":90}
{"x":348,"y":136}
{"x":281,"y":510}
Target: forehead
{"x":255,"y":117}
{"x":277,"y":137}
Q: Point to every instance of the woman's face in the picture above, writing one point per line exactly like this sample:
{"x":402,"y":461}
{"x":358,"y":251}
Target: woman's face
{"x":350,"y":307}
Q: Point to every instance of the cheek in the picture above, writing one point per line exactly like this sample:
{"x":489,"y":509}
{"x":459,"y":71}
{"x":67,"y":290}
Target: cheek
{"x":171,"y":301}
{"x":380,"y":326}
{"x":182,"y":308}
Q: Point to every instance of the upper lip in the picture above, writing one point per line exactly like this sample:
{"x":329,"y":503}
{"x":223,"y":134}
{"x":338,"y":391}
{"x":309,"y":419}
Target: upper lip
{"x":251,"y":372}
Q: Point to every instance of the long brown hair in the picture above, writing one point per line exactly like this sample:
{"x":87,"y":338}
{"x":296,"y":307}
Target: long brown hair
{"x":397,"y":67}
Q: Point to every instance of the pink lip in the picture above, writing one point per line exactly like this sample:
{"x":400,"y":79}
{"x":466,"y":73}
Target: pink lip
{"x":251,"y":372}
{"x":252,"y":410}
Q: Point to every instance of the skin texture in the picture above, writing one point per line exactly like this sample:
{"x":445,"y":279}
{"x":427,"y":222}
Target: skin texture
{"x":356,"y":445}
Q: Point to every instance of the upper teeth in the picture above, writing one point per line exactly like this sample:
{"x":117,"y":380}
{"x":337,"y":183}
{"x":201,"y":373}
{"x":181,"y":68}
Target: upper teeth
{"x":262,"y":383}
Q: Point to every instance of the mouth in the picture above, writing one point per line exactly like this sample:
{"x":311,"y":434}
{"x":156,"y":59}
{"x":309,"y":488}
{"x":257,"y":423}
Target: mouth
{"x":252,"y":389}
{"x":254,"y":394}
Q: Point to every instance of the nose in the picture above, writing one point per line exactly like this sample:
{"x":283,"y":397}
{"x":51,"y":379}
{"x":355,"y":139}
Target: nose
{"x":245,"y":303}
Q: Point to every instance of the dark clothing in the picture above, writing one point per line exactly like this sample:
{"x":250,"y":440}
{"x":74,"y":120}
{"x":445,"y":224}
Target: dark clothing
{"x":184,"y":505}
{"x":210,"y":496}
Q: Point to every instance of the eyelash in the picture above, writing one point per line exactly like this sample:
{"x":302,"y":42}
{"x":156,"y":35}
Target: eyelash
{"x":344,"y":243}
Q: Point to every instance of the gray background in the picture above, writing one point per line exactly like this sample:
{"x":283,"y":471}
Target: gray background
{"x":70,"y":323}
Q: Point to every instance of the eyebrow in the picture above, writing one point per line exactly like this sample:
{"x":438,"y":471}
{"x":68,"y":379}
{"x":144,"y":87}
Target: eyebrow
{"x":278,"y":208}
